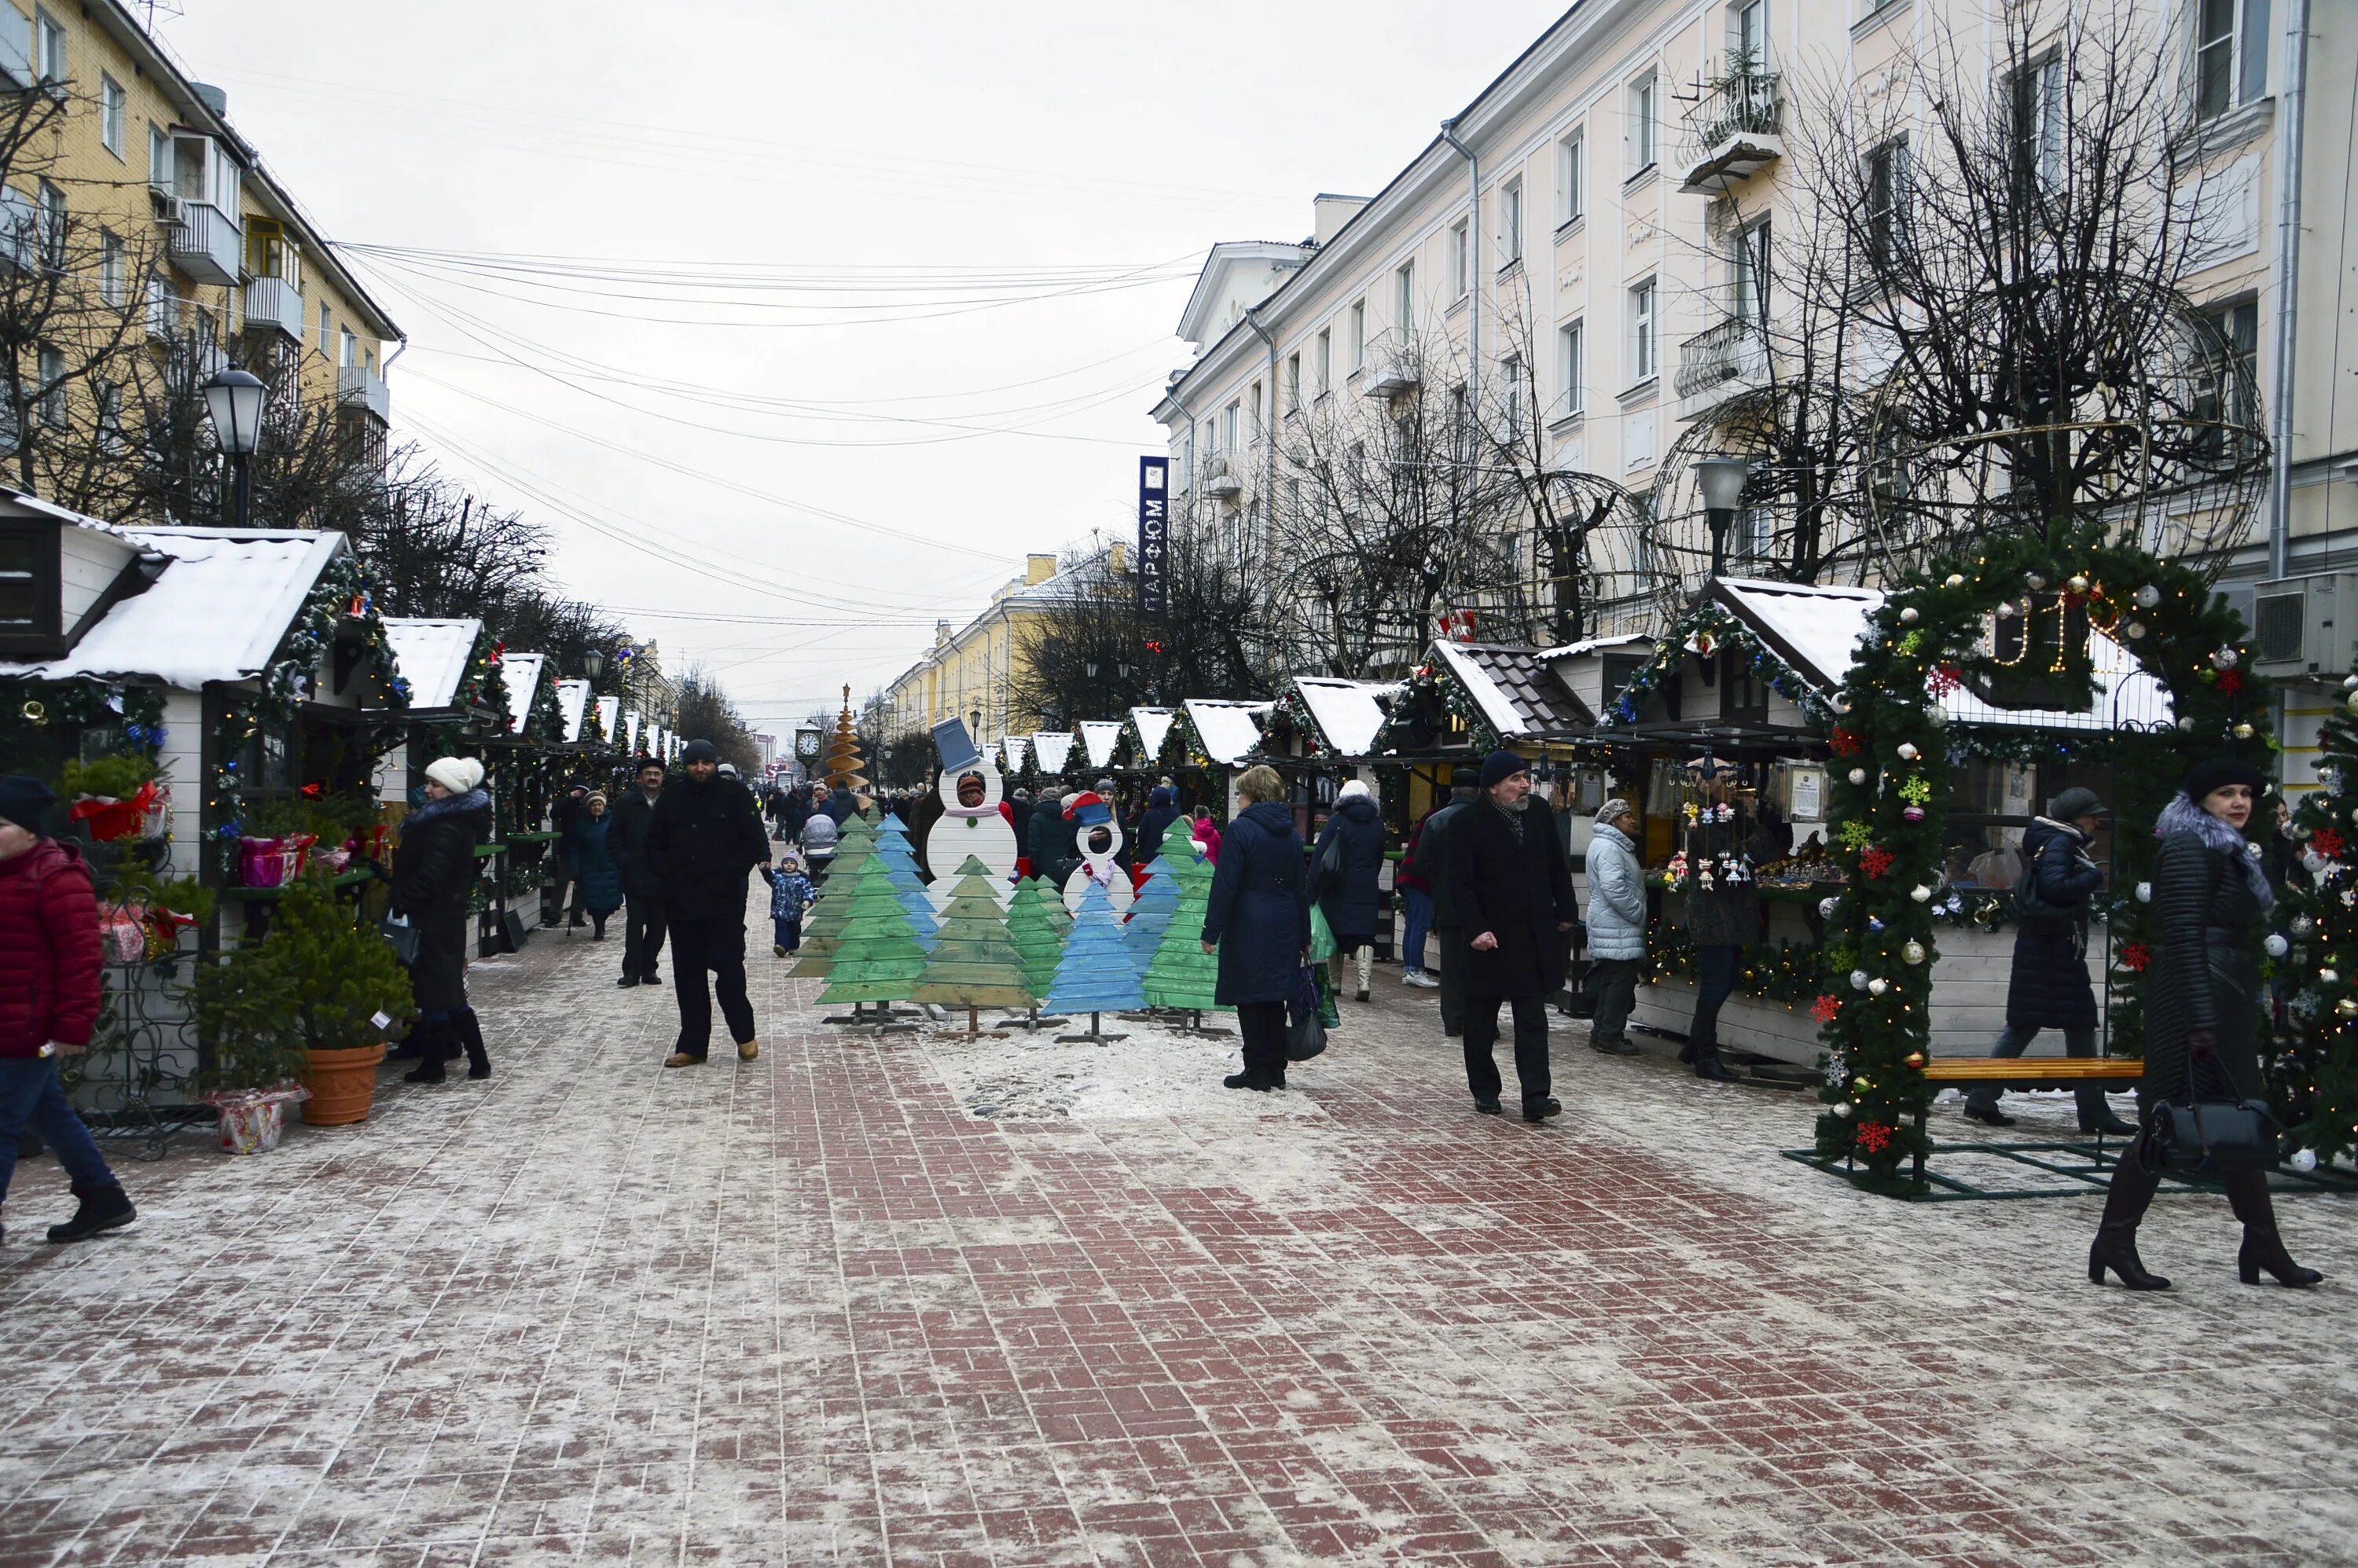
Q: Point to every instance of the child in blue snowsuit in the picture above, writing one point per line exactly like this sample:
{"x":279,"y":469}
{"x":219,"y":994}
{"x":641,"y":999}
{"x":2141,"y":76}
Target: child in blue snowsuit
{"x":790,"y":894}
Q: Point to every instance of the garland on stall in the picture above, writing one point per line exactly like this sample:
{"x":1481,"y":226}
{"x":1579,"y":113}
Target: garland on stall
{"x":593,"y":727}
{"x":484,"y":687}
{"x":341,"y":592}
{"x":1889,"y":799}
{"x":1292,"y":716}
{"x":1704,"y":631}
{"x":2312,"y":946}
{"x":135,"y":713}
{"x":1433,"y":679}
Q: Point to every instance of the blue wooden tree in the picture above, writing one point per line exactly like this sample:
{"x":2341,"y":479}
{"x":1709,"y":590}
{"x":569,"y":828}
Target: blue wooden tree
{"x":1095,"y":974}
{"x":1150,"y":912}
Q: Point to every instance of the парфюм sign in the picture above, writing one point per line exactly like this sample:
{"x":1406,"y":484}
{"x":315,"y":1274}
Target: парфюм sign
{"x":1154,"y":535}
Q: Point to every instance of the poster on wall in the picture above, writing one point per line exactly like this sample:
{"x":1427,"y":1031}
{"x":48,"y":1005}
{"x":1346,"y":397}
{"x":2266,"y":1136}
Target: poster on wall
{"x":1154,"y":536}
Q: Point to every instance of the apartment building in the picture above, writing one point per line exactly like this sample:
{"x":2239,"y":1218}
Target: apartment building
{"x":1585,"y":234}
{"x":974,"y":672}
{"x":132,"y":176}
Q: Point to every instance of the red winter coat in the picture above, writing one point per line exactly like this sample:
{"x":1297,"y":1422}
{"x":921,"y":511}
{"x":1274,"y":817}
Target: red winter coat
{"x":48,"y":950}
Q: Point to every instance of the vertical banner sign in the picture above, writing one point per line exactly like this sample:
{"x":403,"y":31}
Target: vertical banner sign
{"x":1154,"y":536}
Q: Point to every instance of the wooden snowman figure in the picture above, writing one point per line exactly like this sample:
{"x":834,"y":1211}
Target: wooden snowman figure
{"x":972,"y":821}
{"x":1098,"y":840}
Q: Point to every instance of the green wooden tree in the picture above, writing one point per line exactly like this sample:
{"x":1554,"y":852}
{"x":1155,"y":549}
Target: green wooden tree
{"x":877,"y":958}
{"x":973,"y":963}
{"x":1182,"y":974}
{"x":1035,"y":933}
{"x":823,"y":932}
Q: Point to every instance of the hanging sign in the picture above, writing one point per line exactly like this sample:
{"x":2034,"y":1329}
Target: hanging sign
{"x":1154,"y":535}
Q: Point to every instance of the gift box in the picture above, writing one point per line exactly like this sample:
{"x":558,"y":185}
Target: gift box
{"x":109,"y":819}
{"x":271,"y":863}
{"x":252,"y":1121}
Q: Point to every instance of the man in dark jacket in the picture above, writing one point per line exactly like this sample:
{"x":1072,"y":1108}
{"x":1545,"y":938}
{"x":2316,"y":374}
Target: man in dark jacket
{"x":2048,"y":985}
{"x":643,"y":923}
{"x":1430,"y":865}
{"x":1512,"y":889}
{"x":1161,"y":811}
{"x":1055,"y":839}
{"x":704,"y":842}
{"x":561,"y":818}
{"x":49,"y":957}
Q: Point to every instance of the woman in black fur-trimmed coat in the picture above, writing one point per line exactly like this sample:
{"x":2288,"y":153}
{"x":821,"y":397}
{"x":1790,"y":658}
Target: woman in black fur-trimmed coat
{"x":433,"y":873}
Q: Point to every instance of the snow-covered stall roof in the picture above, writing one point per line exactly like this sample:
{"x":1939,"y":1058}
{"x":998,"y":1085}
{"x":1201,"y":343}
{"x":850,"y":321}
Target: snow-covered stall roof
{"x":1346,"y":711}
{"x":1818,"y":631}
{"x":1098,"y":737}
{"x":1153,"y":729}
{"x":1054,"y":751}
{"x":215,"y":614}
{"x":1517,"y":688}
{"x":1230,"y":731}
{"x":572,"y":702}
{"x":431,"y":655}
{"x":1010,"y":754}
{"x":632,"y":723}
{"x":609,"y":713}
{"x":521,"y":674}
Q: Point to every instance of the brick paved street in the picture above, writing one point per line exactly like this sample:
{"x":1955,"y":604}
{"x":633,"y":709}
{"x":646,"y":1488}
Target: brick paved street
{"x":813,"y":1310}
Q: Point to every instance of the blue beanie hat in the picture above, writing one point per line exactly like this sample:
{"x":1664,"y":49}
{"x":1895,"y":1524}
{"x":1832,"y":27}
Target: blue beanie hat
{"x":1500,"y":766}
{"x":24,"y":800}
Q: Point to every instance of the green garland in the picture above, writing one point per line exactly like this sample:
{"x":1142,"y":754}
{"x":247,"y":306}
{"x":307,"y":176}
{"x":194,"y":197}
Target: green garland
{"x":1292,"y":716}
{"x":1891,"y":748}
{"x":1715,"y":625}
{"x":1433,"y":678}
{"x":2312,"y":945}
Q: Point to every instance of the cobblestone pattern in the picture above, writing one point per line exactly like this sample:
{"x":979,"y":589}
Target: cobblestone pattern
{"x":810,"y":1310}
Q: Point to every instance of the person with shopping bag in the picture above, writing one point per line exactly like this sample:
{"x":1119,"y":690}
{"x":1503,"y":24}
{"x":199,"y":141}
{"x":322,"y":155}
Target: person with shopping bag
{"x":1258,"y":921}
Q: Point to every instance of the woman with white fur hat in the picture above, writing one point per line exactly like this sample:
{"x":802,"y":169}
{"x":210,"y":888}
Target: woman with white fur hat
{"x":432,"y":875}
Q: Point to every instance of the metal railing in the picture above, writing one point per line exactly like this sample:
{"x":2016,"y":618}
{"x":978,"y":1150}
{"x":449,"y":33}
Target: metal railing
{"x":1733,"y":355}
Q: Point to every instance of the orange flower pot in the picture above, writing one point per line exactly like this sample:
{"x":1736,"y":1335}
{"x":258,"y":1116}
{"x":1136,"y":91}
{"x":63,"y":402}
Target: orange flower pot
{"x":342,"y":1085}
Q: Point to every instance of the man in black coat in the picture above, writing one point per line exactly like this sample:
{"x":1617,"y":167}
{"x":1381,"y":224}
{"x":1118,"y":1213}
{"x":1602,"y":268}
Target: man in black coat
{"x":1431,"y":864}
{"x":643,"y":924}
{"x":1511,"y":890}
{"x":1056,"y":840}
{"x":561,"y":817}
{"x":705,"y":841}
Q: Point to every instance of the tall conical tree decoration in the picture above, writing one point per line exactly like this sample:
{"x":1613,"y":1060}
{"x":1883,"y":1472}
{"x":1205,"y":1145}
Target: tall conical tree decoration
{"x":1182,"y":974}
{"x":878,"y":958}
{"x":2313,"y":945}
{"x":843,"y":761}
{"x":973,"y":965}
{"x":823,"y":932}
{"x":1095,"y":974}
{"x":1151,"y":911}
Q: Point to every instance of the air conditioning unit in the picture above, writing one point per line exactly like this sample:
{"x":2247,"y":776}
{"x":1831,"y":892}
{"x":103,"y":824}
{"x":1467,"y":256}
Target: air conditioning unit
{"x":164,"y":205}
{"x":2306,"y":626}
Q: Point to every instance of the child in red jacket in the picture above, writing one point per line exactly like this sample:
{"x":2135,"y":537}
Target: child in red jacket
{"x":49,"y":1004}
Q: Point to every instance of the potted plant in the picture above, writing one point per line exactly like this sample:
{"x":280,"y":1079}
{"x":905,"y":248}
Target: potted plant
{"x":251,"y":1070}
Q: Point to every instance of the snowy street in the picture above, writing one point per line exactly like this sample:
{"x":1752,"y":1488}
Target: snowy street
{"x":921,"y":1301}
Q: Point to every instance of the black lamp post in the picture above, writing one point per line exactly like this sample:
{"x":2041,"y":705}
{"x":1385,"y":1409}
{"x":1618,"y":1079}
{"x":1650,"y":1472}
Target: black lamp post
{"x":593,"y":665}
{"x":1721,"y":480}
{"x":233,"y":403}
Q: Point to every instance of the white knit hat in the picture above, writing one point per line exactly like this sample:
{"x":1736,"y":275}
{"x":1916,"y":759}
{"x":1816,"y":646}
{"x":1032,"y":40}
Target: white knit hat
{"x":456,"y":774}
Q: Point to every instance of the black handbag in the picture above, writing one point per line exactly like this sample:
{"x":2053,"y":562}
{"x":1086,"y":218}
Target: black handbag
{"x":2212,"y":1137}
{"x":404,"y":938}
{"x":1306,"y":1032}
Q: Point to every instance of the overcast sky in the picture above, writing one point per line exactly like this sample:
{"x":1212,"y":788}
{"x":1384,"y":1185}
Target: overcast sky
{"x":801,"y":268}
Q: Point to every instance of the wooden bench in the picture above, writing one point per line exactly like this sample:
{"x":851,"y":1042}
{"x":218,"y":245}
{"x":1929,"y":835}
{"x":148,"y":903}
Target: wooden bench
{"x":2028,"y":1073}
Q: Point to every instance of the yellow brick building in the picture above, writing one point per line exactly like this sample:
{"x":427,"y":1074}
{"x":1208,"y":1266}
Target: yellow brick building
{"x":971,"y":673}
{"x":172,"y":249}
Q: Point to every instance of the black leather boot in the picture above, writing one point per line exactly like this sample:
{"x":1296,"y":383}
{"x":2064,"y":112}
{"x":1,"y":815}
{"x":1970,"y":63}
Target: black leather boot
{"x":2248,"y":1194}
{"x":101,"y":1209}
{"x":471,"y":1035}
{"x":1707,"y":1063}
{"x":432,"y":1038}
{"x":2125,"y":1201}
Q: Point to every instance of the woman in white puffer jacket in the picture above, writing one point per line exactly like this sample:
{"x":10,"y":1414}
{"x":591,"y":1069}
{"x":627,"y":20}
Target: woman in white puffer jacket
{"x":1616,"y":926}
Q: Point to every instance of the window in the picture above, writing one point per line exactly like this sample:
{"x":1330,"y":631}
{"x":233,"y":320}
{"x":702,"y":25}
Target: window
{"x":50,"y":36}
{"x":1748,"y":275}
{"x":2231,"y":54}
{"x":1644,"y":344}
{"x":1293,"y":383}
{"x":15,"y":47}
{"x":52,"y":391}
{"x":1211,"y":438}
{"x":1461,"y":262}
{"x":1568,"y":367}
{"x":1228,"y":436}
{"x":110,"y":266}
{"x":2038,"y":125}
{"x":53,"y":224}
{"x":323,"y":330}
{"x":29,"y":596}
{"x":109,"y":399}
{"x":1511,"y":374}
{"x":1510,"y":223}
{"x":1258,"y":428}
{"x":2226,"y":391}
{"x":159,"y":158}
{"x":345,"y":345}
{"x":163,"y":307}
{"x":1325,"y":359}
{"x":111,"y":103}
{"x":1570,"y":198}
{"x":1404,"y":304}
{"x":1749,"y":35}
{"x":1642,"y":151}
{"x":1886,"y":195}
{"x":1359,"y":335}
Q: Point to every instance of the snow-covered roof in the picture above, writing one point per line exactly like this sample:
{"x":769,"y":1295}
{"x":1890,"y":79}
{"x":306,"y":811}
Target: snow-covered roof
{"x":610,"y":710}
{"x":215,"y":614}
{"x":1153,"y":729}
{"x":1010,"y":754}
{"x":1594,"y":644}
{"x":431,"y":655}
{"x":632,"y":723}
{"x":1054,"y":751}
{"x":1515,"y":689}
{"x":572,"y":702}
{"x":1346,"y":711}
{"x":1818,"y":631}
{"x":521,"y":674}
{"x":1098,"y":738}
{"x":1230,"y":731}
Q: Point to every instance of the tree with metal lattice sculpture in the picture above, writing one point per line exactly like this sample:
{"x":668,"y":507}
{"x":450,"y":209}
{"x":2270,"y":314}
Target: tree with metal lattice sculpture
{"x":1095,"y":974}
{"x":878,"y":958}
{"x":973,"y":963}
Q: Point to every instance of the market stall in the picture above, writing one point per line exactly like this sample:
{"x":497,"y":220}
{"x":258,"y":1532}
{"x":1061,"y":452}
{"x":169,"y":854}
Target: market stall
{"x":1211,"y":742}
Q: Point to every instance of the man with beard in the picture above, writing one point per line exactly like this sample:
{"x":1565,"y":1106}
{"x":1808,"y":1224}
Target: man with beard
{"x":705,"y":841}
{"x":1512,"y":893}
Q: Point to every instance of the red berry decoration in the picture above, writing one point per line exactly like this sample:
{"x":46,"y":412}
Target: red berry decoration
{"x":1843,"y":743}
{"x":1945,"y":680}
{"x":2231,"y":681}
{"x":2327,"y":843}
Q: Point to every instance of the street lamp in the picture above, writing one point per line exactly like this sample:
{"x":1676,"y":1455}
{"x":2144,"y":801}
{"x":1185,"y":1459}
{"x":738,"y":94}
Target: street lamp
{"x":1721,"y":480}
{"x":593,"y":665}
{"x":233,"y":403}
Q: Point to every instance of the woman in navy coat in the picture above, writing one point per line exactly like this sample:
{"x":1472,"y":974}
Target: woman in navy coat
{"x":1259,"y":919}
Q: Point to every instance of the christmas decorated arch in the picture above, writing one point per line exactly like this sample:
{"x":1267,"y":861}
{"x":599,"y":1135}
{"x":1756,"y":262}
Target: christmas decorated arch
{"x":1983,"y":623}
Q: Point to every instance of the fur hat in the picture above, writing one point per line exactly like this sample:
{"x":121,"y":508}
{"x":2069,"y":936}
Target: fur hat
{"x":456,"y":774}
{"x":1350,"y":788}
{"x":1500,"y":766}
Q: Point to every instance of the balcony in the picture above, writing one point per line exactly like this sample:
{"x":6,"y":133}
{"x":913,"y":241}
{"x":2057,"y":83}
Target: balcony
{"x":1734,"y":131}
{"x":273,"y":305}
{"x":1727,"y":362}
{"x":1220,"y":484}
{"x":207,"y":243}
{"x":357,"y":387}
